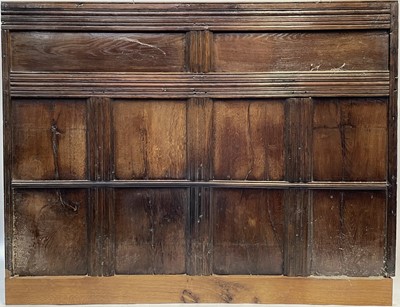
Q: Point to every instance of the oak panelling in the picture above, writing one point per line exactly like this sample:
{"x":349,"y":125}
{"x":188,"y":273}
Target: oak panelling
{"x":392,"y":145}
{"x":103,"y":52}
{"x":350,"y":139}
{"x":50,"y":232}
{"x":297,"y":228}
{"x":150,"y":231}
{"x":348,"y":233}
{"x":186,"y":17}
{"x":150,"y":139}
{"x":212,"y":85}
{"x":248,"y":139}
{"x":300,"y":51}
{"x":248,"y":231}
{"x":298,"y":139}
{"x":49,"y":139}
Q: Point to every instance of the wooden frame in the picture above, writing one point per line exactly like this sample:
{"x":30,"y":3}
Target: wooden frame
{"x":197,"y":85}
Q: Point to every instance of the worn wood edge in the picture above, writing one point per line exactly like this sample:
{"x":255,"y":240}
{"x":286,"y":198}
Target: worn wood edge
{"x":198,"y":289}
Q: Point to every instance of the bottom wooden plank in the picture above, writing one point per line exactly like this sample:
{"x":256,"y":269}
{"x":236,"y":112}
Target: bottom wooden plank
{"x":198,"y":289}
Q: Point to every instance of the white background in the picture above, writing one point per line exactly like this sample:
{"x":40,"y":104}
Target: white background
{"x":396,"y":283}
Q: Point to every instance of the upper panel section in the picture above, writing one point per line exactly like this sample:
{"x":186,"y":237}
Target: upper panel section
{"x":187,"y":16}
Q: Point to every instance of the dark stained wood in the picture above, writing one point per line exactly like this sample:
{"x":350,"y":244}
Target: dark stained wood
{"x":298,"y":139}
{"x":7,"y":149}
{"x":341,"y":15}
{"x":49,"y":51}
{"x":351,"y":241}
{"x":50,"y":232}
{"x":198,"y":50}
{"x":213,"y":85}
{"x":350,"y":139}
{"x":301,"y":51}
{"x":172,"y":140}
{"x":49,"y":139}
{"x":248,"y":141}
{"x":199,"y":130}
{"x":297,"y":258}
{"x":248,"y":232}
{"x":150,"y":231}
{"x":150,"y":139}
{"x":392,"y":147}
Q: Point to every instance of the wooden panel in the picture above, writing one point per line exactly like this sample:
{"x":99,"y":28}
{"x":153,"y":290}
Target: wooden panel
{"x":349,"y":233}
{"x":150,"y":139}
{"x":295,"y":51}
{"x":49,"y":139}
{"x":213,"y":85}
{"x":297,"y":228}
{"x":287,"y":15}
{"x":248,"y":140}
{"x":50,"y":232}
{"x":248,"y":231}
{"x":199,"y":289}
{"x":150,"y":231}
{"x":63,"y":51}
{"x":350,"y":139}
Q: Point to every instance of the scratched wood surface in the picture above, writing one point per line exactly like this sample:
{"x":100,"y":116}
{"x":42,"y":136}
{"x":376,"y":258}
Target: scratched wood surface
{"x":49,"y":51}
{"x":200,"y":140}
{"x":292,"y":51}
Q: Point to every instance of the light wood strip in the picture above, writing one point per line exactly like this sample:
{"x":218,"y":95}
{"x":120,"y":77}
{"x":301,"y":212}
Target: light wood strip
{"x":212,"y":184}
{"x":198,"y":289}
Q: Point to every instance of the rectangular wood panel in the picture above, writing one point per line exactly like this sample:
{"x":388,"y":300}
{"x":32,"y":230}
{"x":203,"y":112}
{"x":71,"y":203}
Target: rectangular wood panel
{"x":350,"y":139}
{"x":301,"y":51}
{"x":248,"y":231}
{"x":49,"y":139}
{"x":50,"y":232}
{"x":74,"y":51}
{"x":150,"y":139}
{"x":150,"y":231}
{"x":348,"y":233}
{"x":248,"y":139}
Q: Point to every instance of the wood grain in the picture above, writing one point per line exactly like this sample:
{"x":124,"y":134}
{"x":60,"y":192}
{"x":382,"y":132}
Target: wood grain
{"x":150,"y":235}
{"x":350,"y":139}
{"x":64,"y":51}
{"x":351,"y":241}
{"x":200,"y":289}
{"x":49,"y":139}
{"x":278,"y":15}
{"x":248,"y":141}
{"x":46,"y":225}
{"x":300,"y":51}
{"x":150,"y":139}
{"x":248,"y":231}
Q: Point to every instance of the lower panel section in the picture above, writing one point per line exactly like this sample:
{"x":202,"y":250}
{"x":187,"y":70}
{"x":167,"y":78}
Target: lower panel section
{"x":198,"y":289}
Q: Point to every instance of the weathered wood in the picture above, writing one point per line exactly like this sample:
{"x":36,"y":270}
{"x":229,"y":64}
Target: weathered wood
{"x":351,"y":241}
{"x":248,"y":232}
{"x":297,"y":237}
{"x":50,"y":232}
{"x":198,"y":289}
{"x":49,"y":139}
{"x":322,"y":15}
{"x":248,"y":140}
{"x":50,"y":51}
{"x":150,"y":231}
{"x":392,"y":147}
{"x":223,"y":85}
{"x":300,"y":51}
{"x":350,"y":139}
{"x":150,"y":139}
